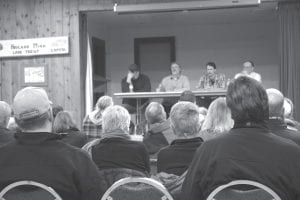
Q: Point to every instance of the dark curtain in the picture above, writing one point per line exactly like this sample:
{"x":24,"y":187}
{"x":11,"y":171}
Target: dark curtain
{"x":289,"y":32}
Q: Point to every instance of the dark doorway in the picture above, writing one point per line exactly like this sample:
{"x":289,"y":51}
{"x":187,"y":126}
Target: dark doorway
{"x":154,"y":55}
{"x":99,"y":68}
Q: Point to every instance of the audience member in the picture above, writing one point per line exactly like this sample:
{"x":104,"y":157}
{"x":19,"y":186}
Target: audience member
{"x":92,"y":123}
{"x":176,"y":158}
{"x":159,"y":133}
{"x":248,"y":70}
{"x":66,"y":127}
{"x":38,"y":155}
{"x":276,"y":117}
{"x":135,"y":81}
{"x":56,"y":109}
{"x":116,"y":149}
{"x":6,"y":135}
{"x":176,"y":82}
{"x":289,"y":115}
{"x":187,"y":95}
{"x":210,"y":80}
{"x":218,"y":119}
{"x":248,"y":152}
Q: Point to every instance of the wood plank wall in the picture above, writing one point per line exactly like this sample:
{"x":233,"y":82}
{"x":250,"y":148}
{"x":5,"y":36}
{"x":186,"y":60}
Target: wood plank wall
{"x":46,"y":18}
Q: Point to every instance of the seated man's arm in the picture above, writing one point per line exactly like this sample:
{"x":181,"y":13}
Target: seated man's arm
{"x":201,"y":83}
{"x":186,"y":84}
{"x":124,"y":85}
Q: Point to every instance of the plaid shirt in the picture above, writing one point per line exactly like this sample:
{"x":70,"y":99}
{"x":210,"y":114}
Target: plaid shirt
{"x":91,"y":129}
{"x":216,"y":81}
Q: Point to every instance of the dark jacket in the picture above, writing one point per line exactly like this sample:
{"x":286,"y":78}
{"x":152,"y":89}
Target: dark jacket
{"x":121,"y":153}
{"x":6,"y":135}
{"x":43,"y":158}
{"x":176,"y":158}
{"x":279,"y":127}
{"x":248,"y":152}
{"x":157,"y":136}
{"x":74,"y":137}
{"x":141,"y":84}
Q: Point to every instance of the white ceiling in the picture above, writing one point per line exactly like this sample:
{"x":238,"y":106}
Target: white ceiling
{"x":265,"y":12}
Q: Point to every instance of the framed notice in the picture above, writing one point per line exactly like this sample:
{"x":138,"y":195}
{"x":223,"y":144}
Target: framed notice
{"x":35,"y":75}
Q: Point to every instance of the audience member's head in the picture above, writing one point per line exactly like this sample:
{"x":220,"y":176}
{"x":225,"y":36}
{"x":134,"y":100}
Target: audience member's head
{"x":104,"y":102}
{"x":247,"y":100}
{"x":184,"y":118}
{"x":32,"y":109}
{"x":276,"y":101}
{"x":155,"y":113}
{"x":63,"y":122}
{"x":218,"y":118}
{"x":5,"y":113}
{"x":187,"y":95}
{"x":115,"y":118}
{"x":288,"y":108}
{"x":56,"y":109}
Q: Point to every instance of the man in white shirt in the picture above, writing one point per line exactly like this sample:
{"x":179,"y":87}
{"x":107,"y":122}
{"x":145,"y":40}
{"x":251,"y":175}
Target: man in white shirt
{"x":248,"y":70}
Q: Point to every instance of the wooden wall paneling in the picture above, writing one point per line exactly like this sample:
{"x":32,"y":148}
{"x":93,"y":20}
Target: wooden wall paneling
{"x":10,"y":32}
{"x":40,"y":25}
{"x":25,"y":29}
{"x":83,"y":55}
{"x":75,"y":69}
{"x":55,"y":68}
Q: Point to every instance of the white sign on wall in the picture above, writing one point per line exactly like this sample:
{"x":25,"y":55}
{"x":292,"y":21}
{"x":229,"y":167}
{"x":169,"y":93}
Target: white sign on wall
{"x":34,"y":47}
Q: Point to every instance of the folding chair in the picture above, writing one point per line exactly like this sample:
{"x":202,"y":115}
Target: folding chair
{"x":229,"y":191}
{"x":137,"y":189}
{"x":28,"y":190}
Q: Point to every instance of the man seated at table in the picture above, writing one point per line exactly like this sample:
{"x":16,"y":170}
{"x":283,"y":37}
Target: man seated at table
{"x":248,"y":70}
{"x":135,"y":81}
{"x":210,"y":80}
{"x":176,"y":82}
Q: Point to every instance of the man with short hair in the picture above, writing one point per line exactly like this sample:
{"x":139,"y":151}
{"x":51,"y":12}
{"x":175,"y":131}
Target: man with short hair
{"x":248,"y":70}
{"x":249,"y":151}
{"x":185,"y":123}
{"x":159,"y":133}
{"x":276,"y":116}
{"x":211,"y":79}
{"x":5,"y":113}
{"x":135,"y":81}
{"x":176,"y":82}
{"x":39,"y":155}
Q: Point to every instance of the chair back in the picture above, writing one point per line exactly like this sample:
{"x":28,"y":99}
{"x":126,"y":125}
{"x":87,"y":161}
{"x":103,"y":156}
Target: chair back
{"x":243,"y":189}
{"x":28,"y":190}
{"x":134,"y":188}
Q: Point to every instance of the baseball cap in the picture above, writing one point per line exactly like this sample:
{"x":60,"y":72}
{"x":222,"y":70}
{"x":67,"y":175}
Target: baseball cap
{"x":133,"y":68}
{"x":30,"y":102}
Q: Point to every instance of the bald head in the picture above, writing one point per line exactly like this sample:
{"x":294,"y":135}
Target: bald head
{"x":5,"y":112}
{"x":276,"y":100}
